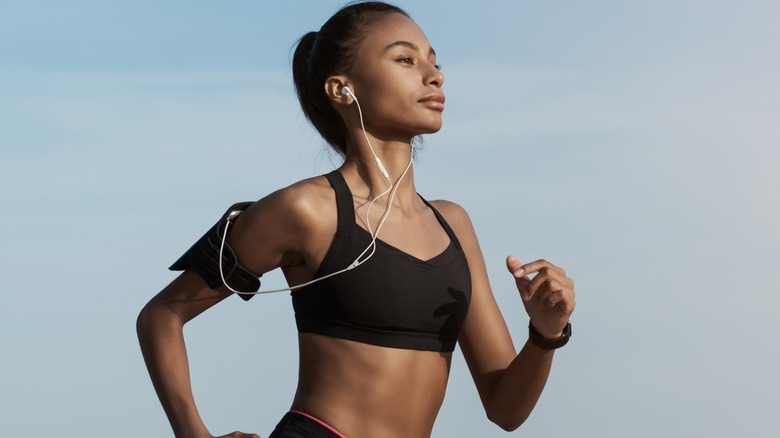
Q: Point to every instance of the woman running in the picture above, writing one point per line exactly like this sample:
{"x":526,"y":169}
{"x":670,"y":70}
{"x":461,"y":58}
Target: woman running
{"x":384,"y":283}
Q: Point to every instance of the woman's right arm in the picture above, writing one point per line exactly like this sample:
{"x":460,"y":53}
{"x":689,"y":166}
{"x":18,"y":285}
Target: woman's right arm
{"x":160,"y":333}
{"x":267,"y":235}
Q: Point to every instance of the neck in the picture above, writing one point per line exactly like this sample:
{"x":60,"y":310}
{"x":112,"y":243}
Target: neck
{"x":395,"y":156}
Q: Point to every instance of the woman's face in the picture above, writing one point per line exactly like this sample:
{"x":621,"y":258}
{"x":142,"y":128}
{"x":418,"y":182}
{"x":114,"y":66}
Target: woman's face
{"x":396,"y":79}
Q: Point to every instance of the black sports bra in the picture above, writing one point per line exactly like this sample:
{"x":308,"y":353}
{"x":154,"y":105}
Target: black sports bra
{"x":393,"y":299}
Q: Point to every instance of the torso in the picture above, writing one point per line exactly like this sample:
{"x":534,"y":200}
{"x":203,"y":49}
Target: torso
{"x":375,"y":390}
{"x":367,"y":391}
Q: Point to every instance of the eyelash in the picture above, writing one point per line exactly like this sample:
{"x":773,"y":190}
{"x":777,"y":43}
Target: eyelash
{"x":413,"y":61}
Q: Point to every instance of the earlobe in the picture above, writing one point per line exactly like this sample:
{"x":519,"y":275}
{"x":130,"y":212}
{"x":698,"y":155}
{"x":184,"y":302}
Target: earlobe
{"x":334,"y":87}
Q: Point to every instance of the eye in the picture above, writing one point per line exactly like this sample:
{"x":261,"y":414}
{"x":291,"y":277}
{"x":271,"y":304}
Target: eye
{"x":407,"y":60}
{"x":438,"y":66}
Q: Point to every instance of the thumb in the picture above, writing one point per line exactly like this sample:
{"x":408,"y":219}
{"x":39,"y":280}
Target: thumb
{"x":515,"y":268}
{"x":513,"y":265}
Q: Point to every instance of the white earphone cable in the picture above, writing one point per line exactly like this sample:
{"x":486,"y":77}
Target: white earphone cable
{"x":371,"y":246}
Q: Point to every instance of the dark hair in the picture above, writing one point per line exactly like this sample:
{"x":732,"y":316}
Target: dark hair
{"x":332,"y":51}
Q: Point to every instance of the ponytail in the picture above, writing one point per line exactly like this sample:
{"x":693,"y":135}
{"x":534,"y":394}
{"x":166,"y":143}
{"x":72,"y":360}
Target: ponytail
{"x":311,"y":94}
{"x":329,"y":52}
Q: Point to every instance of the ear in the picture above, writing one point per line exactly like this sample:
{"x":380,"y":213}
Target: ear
{"x":333,"y":86}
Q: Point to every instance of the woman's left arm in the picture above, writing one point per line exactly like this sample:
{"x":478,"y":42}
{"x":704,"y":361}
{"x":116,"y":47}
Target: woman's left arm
{"x":509,"y":384}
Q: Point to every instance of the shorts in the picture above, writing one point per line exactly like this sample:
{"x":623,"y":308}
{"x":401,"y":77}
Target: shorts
{"x":296,"y":424}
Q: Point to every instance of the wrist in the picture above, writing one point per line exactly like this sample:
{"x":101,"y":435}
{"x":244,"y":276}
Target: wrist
{"x":554,"y":341}
{"x":196,"y":429}
{"x":192,"y":433}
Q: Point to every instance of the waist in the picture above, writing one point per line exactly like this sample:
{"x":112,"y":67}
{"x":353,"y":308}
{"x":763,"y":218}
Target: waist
{"x":398,"y":390}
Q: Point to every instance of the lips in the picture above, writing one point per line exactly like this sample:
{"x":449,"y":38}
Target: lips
{"x":434,"y":102}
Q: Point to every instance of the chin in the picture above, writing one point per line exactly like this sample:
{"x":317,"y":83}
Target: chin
{"x":434,"y":129}
{"x":431,"y":127}
{"x":419,"y":132}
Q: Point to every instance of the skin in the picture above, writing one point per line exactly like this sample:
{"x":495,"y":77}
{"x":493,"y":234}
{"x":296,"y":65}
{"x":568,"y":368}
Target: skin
{"x":399,"y":89}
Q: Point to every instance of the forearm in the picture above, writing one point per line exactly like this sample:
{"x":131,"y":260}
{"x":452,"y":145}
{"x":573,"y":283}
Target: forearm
{"x":519,"y":386}
{"x":160,"y":334}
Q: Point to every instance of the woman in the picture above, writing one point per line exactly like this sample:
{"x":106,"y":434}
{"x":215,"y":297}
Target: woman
{"x":375,"y":338}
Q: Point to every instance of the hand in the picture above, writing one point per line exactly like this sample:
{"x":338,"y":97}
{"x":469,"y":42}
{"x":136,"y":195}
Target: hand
{"x":548,"y":297}
{"x":238,"y":434}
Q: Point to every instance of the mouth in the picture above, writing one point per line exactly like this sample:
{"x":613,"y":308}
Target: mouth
{"x":434,"y":102}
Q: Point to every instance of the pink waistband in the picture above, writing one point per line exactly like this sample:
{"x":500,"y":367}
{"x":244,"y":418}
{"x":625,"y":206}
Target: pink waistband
{"x":322,"y":423}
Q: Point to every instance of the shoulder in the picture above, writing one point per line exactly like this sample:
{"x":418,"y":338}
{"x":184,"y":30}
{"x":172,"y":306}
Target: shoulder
{"x":460,"y":222}
{"x":455,"y":215}
{"x":298,"y":204}
{"x":277,"y":229}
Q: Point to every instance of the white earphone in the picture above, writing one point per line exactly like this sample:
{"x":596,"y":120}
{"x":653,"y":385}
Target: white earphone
{"x":345,"y":90}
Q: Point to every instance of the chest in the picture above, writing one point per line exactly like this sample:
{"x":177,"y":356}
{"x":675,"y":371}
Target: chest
{"x":391,"y":299}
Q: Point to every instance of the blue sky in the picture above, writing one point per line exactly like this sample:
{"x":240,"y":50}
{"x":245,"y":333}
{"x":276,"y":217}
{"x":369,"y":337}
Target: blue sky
{"x":633,"y":143}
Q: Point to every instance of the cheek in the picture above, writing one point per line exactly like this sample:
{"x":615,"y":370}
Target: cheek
{"x":384,"y":100}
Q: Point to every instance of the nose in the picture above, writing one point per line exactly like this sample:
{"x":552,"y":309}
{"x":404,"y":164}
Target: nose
{"x":434,"y":76}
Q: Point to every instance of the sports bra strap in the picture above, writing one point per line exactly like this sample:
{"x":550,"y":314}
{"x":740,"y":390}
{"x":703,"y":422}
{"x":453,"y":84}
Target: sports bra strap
{"x":344,"y":204}
{"x":443,"y":223}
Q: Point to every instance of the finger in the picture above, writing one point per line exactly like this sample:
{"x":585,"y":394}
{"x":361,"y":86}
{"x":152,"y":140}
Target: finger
{"x":541,"y":290}
{"x":554,"y":298}
{"x":514,"y":266}
{"x":538,"y":265}
{"x":564,"y":300}
{"x":561,"y":300}
{"x":545,"y":273}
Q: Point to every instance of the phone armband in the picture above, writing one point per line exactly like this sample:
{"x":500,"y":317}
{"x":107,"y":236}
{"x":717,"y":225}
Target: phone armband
{"x":203,"y":258}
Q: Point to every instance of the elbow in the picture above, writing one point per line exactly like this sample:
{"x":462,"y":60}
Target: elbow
{"x":507,"y":422}
{"x":146,"y":318}
{"x":152,"y":318}
{"x":508,"y":426}
{"x":144,"y":323}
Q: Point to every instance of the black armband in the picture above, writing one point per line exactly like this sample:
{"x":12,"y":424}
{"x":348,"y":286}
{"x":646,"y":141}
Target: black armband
{"x":203,"y":258}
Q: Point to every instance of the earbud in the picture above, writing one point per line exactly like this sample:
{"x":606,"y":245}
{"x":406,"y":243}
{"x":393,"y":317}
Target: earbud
{"x":233,"y":214}
{"x":346,"y":91}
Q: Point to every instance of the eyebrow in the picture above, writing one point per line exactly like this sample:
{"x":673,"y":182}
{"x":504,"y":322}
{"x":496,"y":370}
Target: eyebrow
{"x":409,"y":45}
